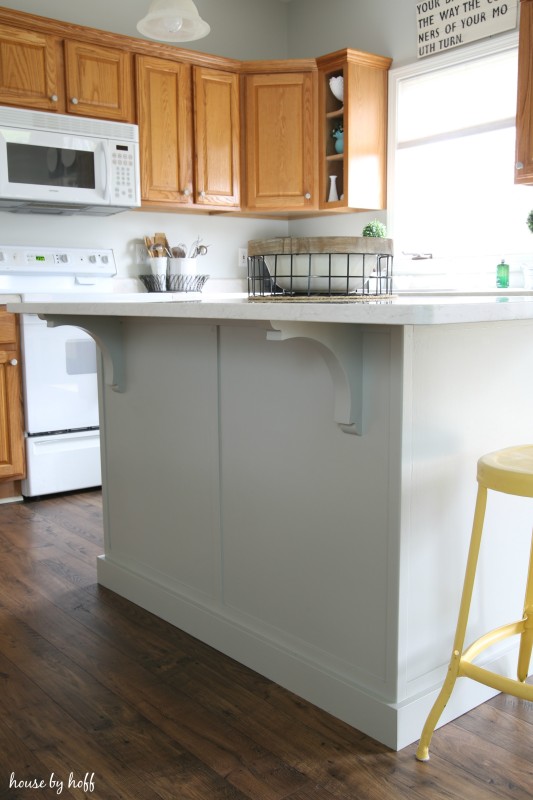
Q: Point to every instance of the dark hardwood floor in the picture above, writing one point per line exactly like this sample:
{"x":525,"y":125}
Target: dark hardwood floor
{"x":100,"y":694}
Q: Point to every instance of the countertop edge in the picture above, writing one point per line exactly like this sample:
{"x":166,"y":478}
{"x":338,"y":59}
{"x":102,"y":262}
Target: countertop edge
{"x":394,"y":311}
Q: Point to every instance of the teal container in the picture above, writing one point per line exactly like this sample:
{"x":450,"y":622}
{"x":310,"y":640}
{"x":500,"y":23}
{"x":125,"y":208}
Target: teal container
{"x":502,"y":275}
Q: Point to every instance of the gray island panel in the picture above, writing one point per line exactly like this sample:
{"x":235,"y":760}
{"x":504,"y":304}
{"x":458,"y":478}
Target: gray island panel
{"x":239,"y":510}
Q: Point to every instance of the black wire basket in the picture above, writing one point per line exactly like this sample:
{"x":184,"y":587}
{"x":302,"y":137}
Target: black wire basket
{"x":328,"y":266}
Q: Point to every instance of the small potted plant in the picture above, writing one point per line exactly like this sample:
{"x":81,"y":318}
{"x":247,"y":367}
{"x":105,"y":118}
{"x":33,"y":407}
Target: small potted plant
{"x":376,"y":229}
{"x":530,"y":221}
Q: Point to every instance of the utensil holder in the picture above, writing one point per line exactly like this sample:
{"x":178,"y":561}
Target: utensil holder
{"x":159,"y":268}
{"x":182,"y":266}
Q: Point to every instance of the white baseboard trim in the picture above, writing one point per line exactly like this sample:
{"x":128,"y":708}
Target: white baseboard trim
{"x":18,"y":498}
{"x":395,"y":725}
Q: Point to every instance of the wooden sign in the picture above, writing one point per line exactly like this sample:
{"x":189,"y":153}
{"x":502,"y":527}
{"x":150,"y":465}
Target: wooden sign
{"x":443,"y":24}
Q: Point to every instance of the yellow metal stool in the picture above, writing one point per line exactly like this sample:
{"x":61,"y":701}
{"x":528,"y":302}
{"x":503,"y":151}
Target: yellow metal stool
{"x":509,"y":471}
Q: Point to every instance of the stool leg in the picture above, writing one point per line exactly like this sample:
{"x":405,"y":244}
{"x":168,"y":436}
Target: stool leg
{"x":422,"y":753}
{"x":526,"y":637}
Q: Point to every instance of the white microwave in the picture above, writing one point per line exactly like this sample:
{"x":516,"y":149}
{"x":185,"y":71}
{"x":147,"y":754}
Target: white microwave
{"x":61,"y":164}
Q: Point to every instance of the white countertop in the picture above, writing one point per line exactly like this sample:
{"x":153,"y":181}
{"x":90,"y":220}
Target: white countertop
{"x":420,"y":309}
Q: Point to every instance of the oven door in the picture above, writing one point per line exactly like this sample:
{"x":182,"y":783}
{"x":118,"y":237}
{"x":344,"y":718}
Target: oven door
{"x":59,"y":377}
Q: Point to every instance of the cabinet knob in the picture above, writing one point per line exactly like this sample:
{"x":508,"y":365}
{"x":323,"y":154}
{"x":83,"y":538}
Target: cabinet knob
{"x":13,"y":362}
{"x":519,"y":165}
{"x":202,"y":193}
{"x":307,"y":195}
{"x":54,"y":98}
{"x":187,"y":192}
{"x":74,"y":101}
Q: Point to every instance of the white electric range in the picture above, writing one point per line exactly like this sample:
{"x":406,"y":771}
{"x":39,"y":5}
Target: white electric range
{"x":59,"y":365}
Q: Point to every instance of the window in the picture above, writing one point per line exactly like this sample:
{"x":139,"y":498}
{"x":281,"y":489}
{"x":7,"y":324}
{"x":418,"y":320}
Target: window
{"x":454,"y":210}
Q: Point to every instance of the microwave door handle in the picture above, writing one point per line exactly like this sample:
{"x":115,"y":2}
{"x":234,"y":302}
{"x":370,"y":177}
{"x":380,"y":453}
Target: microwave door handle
{"x":104,"y":170}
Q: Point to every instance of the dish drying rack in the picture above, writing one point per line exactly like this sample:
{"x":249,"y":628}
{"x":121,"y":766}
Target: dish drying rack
{"x":354,"y":266}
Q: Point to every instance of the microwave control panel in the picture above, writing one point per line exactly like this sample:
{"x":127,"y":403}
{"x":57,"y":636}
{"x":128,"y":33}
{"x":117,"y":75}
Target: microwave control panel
{"x":123,"y":178}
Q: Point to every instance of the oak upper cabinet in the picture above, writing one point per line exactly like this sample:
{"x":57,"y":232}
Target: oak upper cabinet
{"x":353,"y":175}
{"x":189,"y":134}
{"x":45,"y":72}
{"x":164,"y":99}
{"x":99,"y":81}
{"x":524,"y":109}
{"x":281,"y":141}
{"x":217,"y":137}
{"x":12,"y":463}
{"x":29,"y":69}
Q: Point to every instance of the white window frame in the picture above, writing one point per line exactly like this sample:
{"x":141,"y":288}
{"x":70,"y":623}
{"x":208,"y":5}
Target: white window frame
{"x":455,"y":57}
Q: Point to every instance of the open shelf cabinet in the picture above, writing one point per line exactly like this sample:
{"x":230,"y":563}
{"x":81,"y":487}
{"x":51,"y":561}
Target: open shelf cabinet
{"x":360,"y":169}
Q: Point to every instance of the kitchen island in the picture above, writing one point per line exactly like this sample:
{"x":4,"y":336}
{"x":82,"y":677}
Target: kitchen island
{"x":294,"y":483}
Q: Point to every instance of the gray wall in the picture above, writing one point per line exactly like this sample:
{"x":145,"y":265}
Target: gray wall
{"x":263,"y":29}
{"x":235,"y":24}
{"x":385,"y":27}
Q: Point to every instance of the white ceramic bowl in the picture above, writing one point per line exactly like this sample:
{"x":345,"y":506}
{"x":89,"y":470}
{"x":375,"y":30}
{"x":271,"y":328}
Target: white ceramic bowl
{"x":336,"y":84}
{"x":314,"y":277}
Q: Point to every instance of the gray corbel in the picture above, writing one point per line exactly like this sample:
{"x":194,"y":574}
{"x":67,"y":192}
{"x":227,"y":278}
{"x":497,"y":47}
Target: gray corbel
{"x":107,"y":333}
{"x":342,"y":348}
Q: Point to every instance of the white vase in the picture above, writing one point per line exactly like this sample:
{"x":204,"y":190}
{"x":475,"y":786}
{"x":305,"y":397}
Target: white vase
{"x":333,"y":194}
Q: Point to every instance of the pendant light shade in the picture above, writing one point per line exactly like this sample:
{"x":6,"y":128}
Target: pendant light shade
{"x":173,"y":21}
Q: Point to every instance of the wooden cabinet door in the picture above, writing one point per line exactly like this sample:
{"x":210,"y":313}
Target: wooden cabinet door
{"x":281,"y":153}
{"x":99,"y":82}
{"x":524,"y":108}
{"x":29,"y":74}
{"x":217,"y":137}
{"x":11,"y":420}
{"x":165,"y":129}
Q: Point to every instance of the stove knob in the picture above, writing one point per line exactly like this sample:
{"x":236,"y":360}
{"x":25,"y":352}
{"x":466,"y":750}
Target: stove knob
{"x":63,"y":258}
{"x":105,"y":259}
{"x":92,"y":259}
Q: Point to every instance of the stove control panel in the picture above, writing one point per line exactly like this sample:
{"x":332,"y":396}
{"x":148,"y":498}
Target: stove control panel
{"x":48,"y":261}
